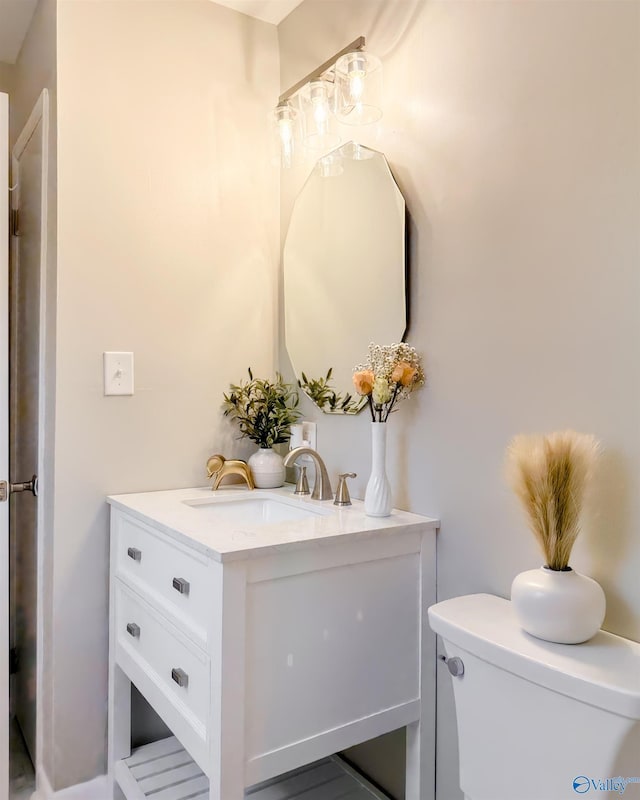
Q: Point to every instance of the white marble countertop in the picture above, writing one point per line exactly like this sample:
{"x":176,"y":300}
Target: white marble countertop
{"x":185,"y":514}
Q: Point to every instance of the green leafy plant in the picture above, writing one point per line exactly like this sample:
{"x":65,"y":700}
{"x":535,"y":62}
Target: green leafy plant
{"x":263,"y":410}
{"x":326,"y":398}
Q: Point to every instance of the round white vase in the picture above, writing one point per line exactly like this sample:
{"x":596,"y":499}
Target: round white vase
{"x":377,"y":498}
{"x":267,"y":468}
{"x":558,"y":605}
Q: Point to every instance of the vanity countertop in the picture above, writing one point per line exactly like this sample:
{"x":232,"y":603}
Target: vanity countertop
{"x":179,"y":514}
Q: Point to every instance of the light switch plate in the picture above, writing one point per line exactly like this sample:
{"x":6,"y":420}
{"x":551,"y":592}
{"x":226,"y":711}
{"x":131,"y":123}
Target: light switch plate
{"x":118,"y":373}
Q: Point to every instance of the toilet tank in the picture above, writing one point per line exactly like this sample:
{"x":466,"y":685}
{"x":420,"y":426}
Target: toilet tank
{"x":537,"y":720}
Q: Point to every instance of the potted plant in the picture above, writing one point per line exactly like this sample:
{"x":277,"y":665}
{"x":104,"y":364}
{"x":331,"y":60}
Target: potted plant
{"x":264,"y":411}
{"x":549,"y":475}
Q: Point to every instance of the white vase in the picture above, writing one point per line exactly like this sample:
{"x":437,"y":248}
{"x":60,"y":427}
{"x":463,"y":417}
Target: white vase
{"x":267,"y":468}
{"x":558,"y":605}
{"x":377,"y":498}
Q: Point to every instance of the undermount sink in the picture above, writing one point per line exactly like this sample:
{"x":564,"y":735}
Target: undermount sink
{"x":253,"y":510}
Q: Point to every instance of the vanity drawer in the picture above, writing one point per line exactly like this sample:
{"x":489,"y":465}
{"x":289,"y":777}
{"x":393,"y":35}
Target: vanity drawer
{"x":162,"y":653}
{"x":174,"y":579}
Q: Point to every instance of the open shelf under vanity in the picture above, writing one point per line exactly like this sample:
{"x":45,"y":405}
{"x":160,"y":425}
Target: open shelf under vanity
{"x":164,"y":770}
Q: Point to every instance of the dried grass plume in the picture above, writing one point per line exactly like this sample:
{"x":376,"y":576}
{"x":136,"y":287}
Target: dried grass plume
{"x":549,"y":475}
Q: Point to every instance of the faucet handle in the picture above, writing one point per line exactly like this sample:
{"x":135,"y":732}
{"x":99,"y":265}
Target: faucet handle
{"x":302,"y":486}
{"x":342,"y":492}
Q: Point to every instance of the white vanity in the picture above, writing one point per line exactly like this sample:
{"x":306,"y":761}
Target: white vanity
{"x":268,"y":632}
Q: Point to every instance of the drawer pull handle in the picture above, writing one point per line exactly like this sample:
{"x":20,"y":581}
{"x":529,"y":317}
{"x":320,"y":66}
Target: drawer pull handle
{"x":180,"y":677}
{"x":134,"y":553}
{"x":180,"y":585}
{"x":133,"y":630}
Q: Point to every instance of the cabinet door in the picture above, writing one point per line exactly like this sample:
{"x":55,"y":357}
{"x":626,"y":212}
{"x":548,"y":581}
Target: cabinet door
{"x":336,"y":649}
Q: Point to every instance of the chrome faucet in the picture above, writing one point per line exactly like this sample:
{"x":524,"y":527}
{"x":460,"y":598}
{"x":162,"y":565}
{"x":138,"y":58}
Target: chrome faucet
{"x":322,"y":486}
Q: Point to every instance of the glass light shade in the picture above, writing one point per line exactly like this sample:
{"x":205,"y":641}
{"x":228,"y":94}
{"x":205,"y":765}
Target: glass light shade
{"x":357,"y":152}
{"x":285,"y":134}
{"x":358,"y":98}
{"x":330,"y":166}
{"x":316,"y":102}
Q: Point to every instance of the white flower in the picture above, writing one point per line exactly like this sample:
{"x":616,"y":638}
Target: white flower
{"x":395,"y":365}
{"x":381,"y":391}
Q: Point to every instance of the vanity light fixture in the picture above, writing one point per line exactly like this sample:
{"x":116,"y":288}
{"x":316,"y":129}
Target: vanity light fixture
{"x":346,"y":88}
{"x":285,"y":125}
{"x":358,"y":81}
{"x":318,"y":123}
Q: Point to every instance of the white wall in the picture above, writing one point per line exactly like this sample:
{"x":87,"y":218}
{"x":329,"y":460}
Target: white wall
{"x":168,"y":246}
{"x":514,"y":132}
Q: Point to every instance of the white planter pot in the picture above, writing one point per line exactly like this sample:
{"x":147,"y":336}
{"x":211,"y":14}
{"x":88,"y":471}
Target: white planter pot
{"x":267,"y":468}
{"x":557,"y":606}
{"x":377,"y":498}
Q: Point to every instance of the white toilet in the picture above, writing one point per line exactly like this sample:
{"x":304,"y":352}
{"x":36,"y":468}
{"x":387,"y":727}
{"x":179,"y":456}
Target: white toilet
{"x":539,"y":721}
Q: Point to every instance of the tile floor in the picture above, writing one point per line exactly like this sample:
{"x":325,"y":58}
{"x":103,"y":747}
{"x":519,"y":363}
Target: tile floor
{"x":22,"y":782}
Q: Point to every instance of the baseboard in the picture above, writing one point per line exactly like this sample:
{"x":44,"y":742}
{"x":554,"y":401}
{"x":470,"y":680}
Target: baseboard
{"x":96,"y":789}
{"x":43,"y":790}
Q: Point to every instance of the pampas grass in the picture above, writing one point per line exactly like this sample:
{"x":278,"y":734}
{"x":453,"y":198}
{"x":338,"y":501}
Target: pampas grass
{"x":549,"y":475}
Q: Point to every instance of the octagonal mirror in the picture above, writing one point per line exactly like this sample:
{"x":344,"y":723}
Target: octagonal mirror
{"x":344,"y":273}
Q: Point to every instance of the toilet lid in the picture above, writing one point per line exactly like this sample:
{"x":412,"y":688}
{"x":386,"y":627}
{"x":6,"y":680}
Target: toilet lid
{"x":604,"y":671}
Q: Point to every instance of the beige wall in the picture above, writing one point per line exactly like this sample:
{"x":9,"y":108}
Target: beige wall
{"x":35,"y":67}
{"x":514,"y":132}
{"x":168,"y":246}
{"x":6,"y":77}
{"x":35,"y":70}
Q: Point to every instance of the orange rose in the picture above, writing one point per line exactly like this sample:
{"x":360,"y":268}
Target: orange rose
{"x":363,"y":381}
{"x":404,"y":373}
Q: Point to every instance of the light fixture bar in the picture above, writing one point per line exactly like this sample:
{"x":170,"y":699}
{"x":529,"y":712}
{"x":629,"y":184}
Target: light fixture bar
{"x":358,"y":44}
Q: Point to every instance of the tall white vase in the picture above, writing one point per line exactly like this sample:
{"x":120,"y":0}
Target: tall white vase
{"x":377,"y":498}
{"x":558,"y":605}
